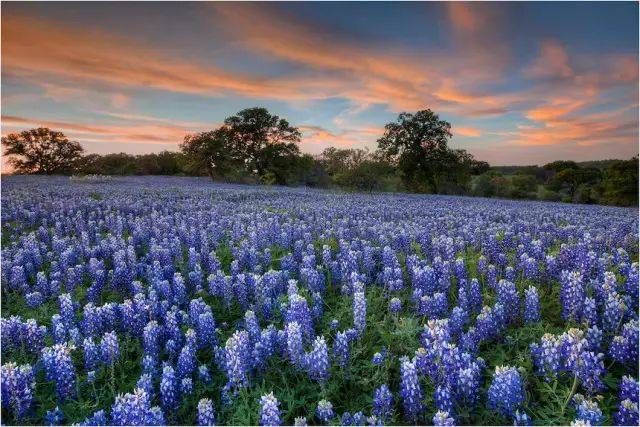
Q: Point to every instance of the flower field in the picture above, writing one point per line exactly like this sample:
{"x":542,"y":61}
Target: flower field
{"x":156,"y":300}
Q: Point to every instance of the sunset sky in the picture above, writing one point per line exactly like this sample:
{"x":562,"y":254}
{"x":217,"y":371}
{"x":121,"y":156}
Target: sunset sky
{"x":521,"y":83}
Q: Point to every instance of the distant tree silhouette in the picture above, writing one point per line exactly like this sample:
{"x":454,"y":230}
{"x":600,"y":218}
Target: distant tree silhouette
{"x":41,"y":151}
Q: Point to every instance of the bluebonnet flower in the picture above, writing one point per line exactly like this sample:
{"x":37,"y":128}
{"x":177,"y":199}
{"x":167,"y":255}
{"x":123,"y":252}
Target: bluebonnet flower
{"x":571,"y":295}
{"x":59,"y":368}
{"x":506,"y":393}
{"x":395,"y":305}
{"x":507,"y":296}
{"x":341,"y":349}
{"x":546,"y":356}
{"x":383,"y":402}
{"x":206,"y":413}
{"x":627,"y":413}
{"x":468,"y":384}
{"x":589,"y":312}
{"x":588,"y":410}
{"x":300,"y":421}
{"x":531,"y":305}
{"x":186,"y":386}
{"x":151,"y":338}
{"x":613,"y":314}
{"x":91,"y":377}
{"x":294,"y":343}
{"x":109,"y":348}
{"x":298,"y":311}
{"x":134,"y":409}
{"x":236,"y":355}
{"x":34,"y":299}
{"x":186,"y":362}
{"x":203,"y":374}
{"x":324,"y":411}
{"x":410,"y":390}
{"x":169,"y":389}
{"x":99,"y":418}
{"x":378,"y":358}
{"x":442,"y":418}
{"x":91,"y":354}
{"x":457,"y":320}
{"x":624,"y":347}
{"x":359,"y":312}
{"x":346,"y":419}
{"x":18,"y":385}
{"x":521,"y":419}
{"x":269,"y":410}
{"x":443,"y":399}
{"x":317,"y":361}
{"x":334,"y":324}
{"x":145,"y":382}
{"x":54,"y":417}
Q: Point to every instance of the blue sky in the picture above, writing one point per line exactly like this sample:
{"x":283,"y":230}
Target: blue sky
{"x":521,"y":83}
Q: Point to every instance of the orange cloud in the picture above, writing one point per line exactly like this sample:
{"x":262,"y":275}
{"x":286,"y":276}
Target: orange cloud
{"x":470,"y":132}
{"x":552,"y":62}
{"x":125,"y":134}
{"x":93,"y":56}
{"x":317,"y":138}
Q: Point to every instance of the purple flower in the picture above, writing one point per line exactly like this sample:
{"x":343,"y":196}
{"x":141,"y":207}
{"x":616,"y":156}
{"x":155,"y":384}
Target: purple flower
{"x":109,"y":348}
{"x":59,"y":368}
{"x":169,"y":389}
{"x":236,"y":358}
{"x":410,"y":390}
{"x":325,"y":411}
{"x":269,"y":410}
{"x":395,"y":305}
{"x":531,"y":305}
{"x":317,"y":361}
{"x":359,"y":311}
{"x":206,"y":413}
{"x":18,"y":385}
{"x":571,"y":295}
{"x":134,"y":409}
{"x":506,"y":393}
{"x":341,"y":349}
{"x":442,"y":418}
{"x":383,"y":402}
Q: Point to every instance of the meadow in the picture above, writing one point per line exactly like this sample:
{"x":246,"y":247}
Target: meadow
{"x":166,"y":300}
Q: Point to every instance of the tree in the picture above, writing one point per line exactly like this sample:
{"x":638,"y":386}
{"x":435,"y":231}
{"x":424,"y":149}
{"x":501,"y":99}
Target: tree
{"x":523,"y":186}
{"x":572,"y":178}
{"x":478,"y":167}
{"x":336,"y":160}
{"x":621,"y":183}
{"x":212,"y":152}
{"x":559,"y":165}
{"x":417,"y":144}
{"x":41,"y":151}
{"x":263,"y":141}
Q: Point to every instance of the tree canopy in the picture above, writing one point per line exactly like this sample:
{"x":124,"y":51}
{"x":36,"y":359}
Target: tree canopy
{"x":417,"y":144}
{"x":41,"y":151}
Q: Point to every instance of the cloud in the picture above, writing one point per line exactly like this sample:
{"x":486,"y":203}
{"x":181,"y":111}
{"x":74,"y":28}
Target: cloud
{"x":467,"y":131}
{"x":91,"y":56}
{"x":148,"y":134}
{"x":317,"y":138}
{"x":552,"y":62}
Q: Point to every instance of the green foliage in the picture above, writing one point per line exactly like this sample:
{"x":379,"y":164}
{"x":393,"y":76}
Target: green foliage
{"x":417,"y":144}
{"x":621,"y":183}
{"x":41,"y":151}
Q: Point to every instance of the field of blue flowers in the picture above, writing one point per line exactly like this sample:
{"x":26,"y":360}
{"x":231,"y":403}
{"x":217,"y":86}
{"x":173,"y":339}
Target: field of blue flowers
{"x":162,"y":300}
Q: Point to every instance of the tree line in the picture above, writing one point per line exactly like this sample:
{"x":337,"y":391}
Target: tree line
{"x":413,"y":154}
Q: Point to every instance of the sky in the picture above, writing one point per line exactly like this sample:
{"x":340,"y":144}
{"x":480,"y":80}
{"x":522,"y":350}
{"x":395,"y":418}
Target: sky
{"x":520,"y":83}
